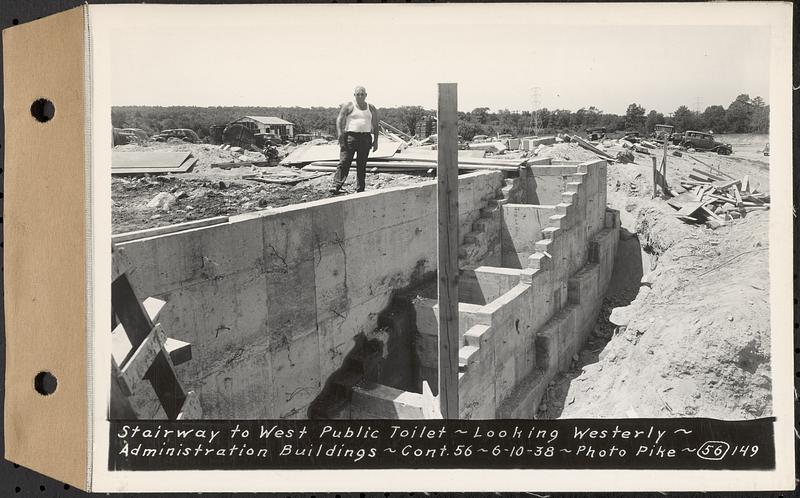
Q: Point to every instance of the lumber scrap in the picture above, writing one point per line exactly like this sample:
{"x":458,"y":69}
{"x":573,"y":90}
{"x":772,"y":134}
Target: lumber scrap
{"x":126,"y":163}
{"x":722,"y":185}
{"x":707,"y":174}
{"x":330,"y":152}
{"x":178,"y":227}
{"x":422,"y":166}
{"x":282,"y":179}
{"x":586,"y":145}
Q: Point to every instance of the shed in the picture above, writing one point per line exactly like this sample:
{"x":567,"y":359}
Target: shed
{"x":268,"y":124}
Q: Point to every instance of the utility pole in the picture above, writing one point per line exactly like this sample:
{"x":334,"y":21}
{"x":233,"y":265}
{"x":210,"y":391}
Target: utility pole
{"x":536,"y":104}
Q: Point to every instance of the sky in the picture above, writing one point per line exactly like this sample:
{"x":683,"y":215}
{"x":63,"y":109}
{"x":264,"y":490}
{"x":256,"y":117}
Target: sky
{"x":498,"y":54}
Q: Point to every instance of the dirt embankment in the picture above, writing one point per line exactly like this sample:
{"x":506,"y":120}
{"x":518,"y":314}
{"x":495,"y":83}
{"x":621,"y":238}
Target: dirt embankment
{"x":684,"y":330}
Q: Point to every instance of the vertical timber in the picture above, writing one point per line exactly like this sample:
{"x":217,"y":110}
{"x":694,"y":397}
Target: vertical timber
{"x":447,"y":199}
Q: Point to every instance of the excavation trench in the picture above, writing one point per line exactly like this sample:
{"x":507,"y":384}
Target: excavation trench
{"x":326,"y":309}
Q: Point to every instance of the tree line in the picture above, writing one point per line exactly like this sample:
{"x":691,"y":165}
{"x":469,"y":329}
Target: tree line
{"x":743,"y":115}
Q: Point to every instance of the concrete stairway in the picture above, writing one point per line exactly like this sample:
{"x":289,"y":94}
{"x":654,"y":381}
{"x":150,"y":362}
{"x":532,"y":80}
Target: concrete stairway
{"x":477,"y":243}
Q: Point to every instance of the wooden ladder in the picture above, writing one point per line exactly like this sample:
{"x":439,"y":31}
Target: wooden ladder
{"x":142,"y":351}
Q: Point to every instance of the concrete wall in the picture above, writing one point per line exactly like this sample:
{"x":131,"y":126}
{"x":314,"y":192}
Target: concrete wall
{"x":271,"y":301}
{"x":520,"y":326}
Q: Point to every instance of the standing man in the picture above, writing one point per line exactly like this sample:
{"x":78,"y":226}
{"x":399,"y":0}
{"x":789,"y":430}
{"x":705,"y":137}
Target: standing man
{"x":357,"y":129}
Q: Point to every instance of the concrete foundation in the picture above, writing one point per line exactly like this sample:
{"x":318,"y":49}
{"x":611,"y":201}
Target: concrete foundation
{"x":297,"y":312}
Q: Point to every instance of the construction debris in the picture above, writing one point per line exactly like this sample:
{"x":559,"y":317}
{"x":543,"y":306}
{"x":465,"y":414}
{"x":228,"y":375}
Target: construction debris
{"x":124,"y":163}
{"x":283,"y":178}
{"x":586,"y":145}
{"x":714,"y":199}
{"x":308,"y":153}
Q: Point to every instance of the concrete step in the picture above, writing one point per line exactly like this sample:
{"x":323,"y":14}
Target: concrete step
{"x":557,"y":221}
{"x":476,"y":334}
{"x":569,"y":197}
{"x":577,"y":177}
{"x":575,"y":186}
{"x":466,"y":355}
{"x":564,"y":208}
{"x":539,"y":261}
{"x":544,"y":245}
{"x":550,"y":233}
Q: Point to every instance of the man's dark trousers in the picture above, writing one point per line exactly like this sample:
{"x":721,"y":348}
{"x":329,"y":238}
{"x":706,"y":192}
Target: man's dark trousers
{"x":358,"y":145}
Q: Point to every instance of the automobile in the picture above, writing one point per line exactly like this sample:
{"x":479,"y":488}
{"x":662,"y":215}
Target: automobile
{"x":136,"y":134}
{"x":699,"y":140}
{"x":505,"y":136}
{"x":303,"y":138}
{"x":676,"y":138}
{"x":184,"y":134}
{"x":268,"y":139}
{"x":662,"y":132}
{"x":596,"y":133}
{"x":480,"y":138}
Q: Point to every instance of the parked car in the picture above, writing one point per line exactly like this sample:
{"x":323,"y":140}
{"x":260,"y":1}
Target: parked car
{"x":596,"y":133}
{"x":184,"y":134}
{"x":676,"y":138}
{"x":136,"y":134}
{"x":480,"y":138}
{"x":705,"y":141}
{"x":268,"y":139}
{"x":662,"y":132}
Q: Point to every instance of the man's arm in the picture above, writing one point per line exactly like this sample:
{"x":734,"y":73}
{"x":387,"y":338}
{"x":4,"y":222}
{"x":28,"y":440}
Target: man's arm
{"x":375,"y":121}
{"x":344,"y":111}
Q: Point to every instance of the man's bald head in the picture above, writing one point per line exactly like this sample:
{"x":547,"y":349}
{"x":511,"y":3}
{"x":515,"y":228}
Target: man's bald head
{"x":359,"y":89}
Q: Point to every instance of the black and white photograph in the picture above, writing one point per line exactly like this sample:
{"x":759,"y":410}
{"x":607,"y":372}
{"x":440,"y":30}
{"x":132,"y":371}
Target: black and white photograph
{"x":508,"y":217}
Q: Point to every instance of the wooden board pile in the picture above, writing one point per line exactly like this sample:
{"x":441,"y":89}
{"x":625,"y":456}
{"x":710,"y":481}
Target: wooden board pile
{"x":715,"y":198}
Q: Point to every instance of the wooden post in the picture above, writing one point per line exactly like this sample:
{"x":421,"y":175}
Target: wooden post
{"x":655,"y":174}
{"x":664,"y":168}
{"x":447,"y":197}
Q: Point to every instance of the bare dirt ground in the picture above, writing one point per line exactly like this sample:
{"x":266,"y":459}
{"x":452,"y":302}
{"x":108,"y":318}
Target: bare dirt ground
{"x":207,"y":191}
{"x":684,"y":329}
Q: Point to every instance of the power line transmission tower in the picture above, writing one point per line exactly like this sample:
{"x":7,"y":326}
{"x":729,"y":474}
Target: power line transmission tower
{"x":536,"y":104}
{"x":698,"y":104}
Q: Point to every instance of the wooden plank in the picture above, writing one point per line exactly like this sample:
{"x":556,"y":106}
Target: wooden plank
{"x":133,"y":370}
{"x":689,"y":209}
{"x":586,"y":145}
{"x":695,"y":176}
{"x":746,"y":183}
{"x":448,"y":238}
{"x":711,"y":214}
{"x":655,"y":179}
{"x":421,"y":165}
{"x":179,"y":351}
{"x":178,"y":227}
{"x":736,"y":195}
{"x":705,"y":173}
{"x":726,"y":184}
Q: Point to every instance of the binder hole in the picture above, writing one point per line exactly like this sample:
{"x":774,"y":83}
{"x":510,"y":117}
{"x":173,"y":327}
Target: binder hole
{"x":15,"y":21}
{"x":43,"y":110}
{"x":45,"y":383}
